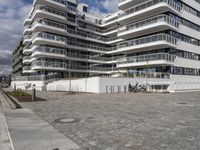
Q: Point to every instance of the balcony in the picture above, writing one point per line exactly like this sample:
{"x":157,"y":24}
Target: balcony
{"x":158,"y":59}
{"x":57,"y":3}
{"x":27,"y":60}
{"x":58,"y":28}
{"x":28,"y":70}
{"x":28,"y":50}
{"x":157,"y":41}
{"x":148,"y":26}
{"x":49,"y":39}
{"x":27,"y":39}
{"x":61,"y":53}
{"x":125,"y":4}
{"x":41,"y":51}
{"x":62,"y":66}
{"x":41,"y":11}
{"x":150,"y":75}
{"x":96,"y":30}
{"x":27,"y":30}
{"x":47,"y":65}
{"x":150,"y":8}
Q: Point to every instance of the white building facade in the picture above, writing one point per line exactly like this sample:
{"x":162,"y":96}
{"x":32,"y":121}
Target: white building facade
{"x":146,"y":38}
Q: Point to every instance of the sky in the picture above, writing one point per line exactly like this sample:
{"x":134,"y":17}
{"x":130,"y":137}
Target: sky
{"x":12,"y":15}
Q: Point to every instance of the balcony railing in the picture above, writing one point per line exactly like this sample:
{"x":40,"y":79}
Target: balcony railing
{"x":36,"y":77}
{"x":26,"y":58}
{"x":153,"y":20}
{"x":52,"y":11}
{"x":72,"y":55}
{"x":63,"y":65}
{"x":66,"y":5}
{"x":148,"y":4}
{"x":95,"y":29}
{"x":145,"y":74}
{"x":50,"y":37}
{"x":134,"y":42}
{"x":149,"y":39}
{"x":70,"y":31}
{"x":147,"y":58}
{"x":26,"y":68}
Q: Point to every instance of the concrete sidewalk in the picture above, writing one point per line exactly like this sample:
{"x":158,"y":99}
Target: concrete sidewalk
{"x":29,"y":132}
{"x":5,"y":141}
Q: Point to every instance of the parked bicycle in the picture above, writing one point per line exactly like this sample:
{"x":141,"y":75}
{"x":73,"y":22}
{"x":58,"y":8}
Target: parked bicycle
{"x":136,"y":88}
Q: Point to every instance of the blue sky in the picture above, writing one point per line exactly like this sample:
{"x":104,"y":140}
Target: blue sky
{"x":12,"y":15}
{"x":100,"y":5}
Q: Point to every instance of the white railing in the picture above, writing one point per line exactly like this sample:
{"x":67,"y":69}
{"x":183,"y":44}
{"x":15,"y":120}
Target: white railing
{"x":63,"y":65}
{"x":149,"y":39}
{"x":152,"y":20}
{"x":132,"y":10}
{"x":50,"y":37}
{"x":36,"y":77}
{"x":145,"y":74}
{"x":70,"y":31}
{"x":146,"y":58}
{"x":64,"y":52}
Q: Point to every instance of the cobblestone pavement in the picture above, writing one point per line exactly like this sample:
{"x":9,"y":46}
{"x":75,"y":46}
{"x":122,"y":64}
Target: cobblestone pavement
{"x":125,"y":121}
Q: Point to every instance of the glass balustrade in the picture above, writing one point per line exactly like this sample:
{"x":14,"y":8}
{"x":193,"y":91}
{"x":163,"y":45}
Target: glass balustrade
{"x":148,"y":4}
{"x":149,"y":39}
{"x":26,"y":68}
{"x":64,"y":65}
{"x":153,"y":20}
{"x":146,"y":58}
{"x":145,"y":74}
{"x":70,"y":31}
{"x":59,"y":51}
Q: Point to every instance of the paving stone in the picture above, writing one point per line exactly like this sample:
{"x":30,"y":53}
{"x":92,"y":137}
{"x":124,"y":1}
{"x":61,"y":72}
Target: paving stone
{"x":125,"y":121}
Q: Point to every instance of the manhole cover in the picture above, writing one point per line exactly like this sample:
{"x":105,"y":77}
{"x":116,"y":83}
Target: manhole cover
{"x":67,"y":120}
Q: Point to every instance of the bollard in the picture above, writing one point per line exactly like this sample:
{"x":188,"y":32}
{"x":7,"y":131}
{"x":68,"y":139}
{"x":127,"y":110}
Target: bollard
{"x":33,"y":92}
{"x":14,"y":86}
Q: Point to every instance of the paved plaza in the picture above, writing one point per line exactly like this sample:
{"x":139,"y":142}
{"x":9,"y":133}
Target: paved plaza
{"x":124,"y":121}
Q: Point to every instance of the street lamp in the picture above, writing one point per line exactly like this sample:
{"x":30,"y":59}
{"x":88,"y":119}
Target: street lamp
{"x":69,"y":75}
{"x":147,"y":66}
{"x":33,"y":92}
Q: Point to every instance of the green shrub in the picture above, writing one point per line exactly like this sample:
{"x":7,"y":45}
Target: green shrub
{"x":18,"y":93}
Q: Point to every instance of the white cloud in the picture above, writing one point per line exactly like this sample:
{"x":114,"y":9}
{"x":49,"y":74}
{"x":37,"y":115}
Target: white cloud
{"x":110,"y":5}
{"x":12,"y":15}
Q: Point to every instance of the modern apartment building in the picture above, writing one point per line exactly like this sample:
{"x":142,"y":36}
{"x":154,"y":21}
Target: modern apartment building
{"x":62,"y":37}
{"x":157,"y":38}
{"x":18,"y":59}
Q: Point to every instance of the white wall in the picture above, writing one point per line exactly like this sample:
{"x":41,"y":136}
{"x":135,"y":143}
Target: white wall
{"x":24,"y":84}
{"x":183,"y":82}
{"x":187,"y":63}
{"x":103,"y":85}
{"x":79,"y":85}
{"x":100,"y":85}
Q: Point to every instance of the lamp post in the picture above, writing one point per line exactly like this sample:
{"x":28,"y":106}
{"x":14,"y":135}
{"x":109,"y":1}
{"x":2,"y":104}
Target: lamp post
{"x":69,"y":75}
{"x":33,"y":92}
{"x":15,"y":87}
{"x":147,"y":66}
